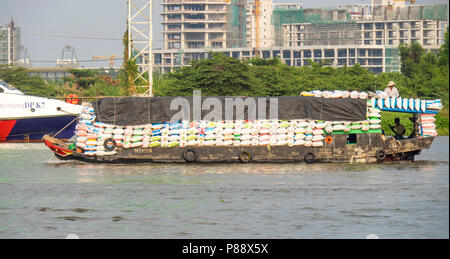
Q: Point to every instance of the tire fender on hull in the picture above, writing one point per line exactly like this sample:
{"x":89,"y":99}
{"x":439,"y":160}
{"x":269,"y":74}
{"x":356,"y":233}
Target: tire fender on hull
{"x":245,"y":157}
{"x":380,"y":155}
{"x":310,"y":157}
{"x":110,"y":144}
{"x":190,"y":155}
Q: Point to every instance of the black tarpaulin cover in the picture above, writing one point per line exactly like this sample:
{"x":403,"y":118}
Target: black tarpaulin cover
{"x":143,"y":110}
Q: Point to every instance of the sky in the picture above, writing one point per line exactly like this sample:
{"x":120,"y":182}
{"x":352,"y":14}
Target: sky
{"x":49,"y":25}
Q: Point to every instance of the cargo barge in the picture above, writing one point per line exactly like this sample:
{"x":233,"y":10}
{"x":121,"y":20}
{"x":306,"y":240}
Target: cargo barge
{"x":315,"y":127}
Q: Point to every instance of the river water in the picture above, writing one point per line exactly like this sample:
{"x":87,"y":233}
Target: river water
{"x":43,"y":197}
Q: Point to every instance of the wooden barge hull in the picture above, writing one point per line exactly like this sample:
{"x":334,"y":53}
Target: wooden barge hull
{"x":369,"y":148}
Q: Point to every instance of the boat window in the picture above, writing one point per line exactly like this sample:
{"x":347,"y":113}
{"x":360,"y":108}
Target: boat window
{"x":407,"y":120}
{"x":351,"y":139}
{"x":1,"y":90}
{"x":7,"y":86}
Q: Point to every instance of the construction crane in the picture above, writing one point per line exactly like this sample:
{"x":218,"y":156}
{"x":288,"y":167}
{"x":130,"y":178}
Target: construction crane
{"x":111,"y":59}
{"x":391,"y":5}
{"x":257,"y":12}
{"x":71,"y":61}
{"x":411,"y":1}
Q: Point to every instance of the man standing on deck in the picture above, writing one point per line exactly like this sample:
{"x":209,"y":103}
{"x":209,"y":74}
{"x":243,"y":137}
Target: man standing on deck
{"x":391,"y":90}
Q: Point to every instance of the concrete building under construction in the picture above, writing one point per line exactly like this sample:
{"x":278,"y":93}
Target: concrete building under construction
{"x":199,"y":24}
{"x":367,"y":34}
{"x":381,"y":23}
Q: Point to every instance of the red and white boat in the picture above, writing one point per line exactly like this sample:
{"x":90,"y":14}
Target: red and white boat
{"x":25,"y":118}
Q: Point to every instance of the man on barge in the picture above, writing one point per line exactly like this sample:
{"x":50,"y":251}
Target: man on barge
{"x":398,"y":129}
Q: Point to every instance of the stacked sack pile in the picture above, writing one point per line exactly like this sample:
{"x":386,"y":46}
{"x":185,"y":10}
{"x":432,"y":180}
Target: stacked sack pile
{"x":427,"y":121}
{"x":91,"y":135}
{"x":336,"y":94}
{"x":372,"y":124}
{"x":373,"y":116}
{"x":427,"y":125}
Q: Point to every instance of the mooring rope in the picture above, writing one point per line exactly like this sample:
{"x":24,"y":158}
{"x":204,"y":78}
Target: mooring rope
{"x":76,"y":118}
{"x":321,"y":108}
{"x":98,"y":111}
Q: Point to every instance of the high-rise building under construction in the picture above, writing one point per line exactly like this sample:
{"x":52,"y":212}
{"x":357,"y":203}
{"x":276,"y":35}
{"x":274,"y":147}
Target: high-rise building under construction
{"x":10,"y":46}
{"x":198,"y":24}
{"x":367,"y":34}
{"x":259,"y":19}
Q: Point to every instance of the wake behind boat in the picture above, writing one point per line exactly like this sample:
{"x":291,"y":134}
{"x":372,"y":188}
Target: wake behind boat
{"x":25,"y":118}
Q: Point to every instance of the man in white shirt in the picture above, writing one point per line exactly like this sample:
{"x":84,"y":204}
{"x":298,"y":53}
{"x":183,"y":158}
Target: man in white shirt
{"x":391,"y":90}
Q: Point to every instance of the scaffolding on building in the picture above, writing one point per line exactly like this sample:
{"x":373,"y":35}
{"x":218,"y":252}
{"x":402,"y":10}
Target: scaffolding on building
{"x":436,"y":12}
{"x":392,"y":59}
{"x":316,"y":16}
{"x":236,"y":24}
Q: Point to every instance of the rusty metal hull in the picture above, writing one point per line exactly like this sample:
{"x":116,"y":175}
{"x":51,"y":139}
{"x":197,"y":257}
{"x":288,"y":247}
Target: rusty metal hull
{"x":369,"y":148}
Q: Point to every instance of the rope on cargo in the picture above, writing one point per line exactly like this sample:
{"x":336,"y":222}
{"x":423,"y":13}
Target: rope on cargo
{"x":148,"y":107}
{"x":98,"y":112}
{"x":114,"y":118}
{"x":321,"y":108}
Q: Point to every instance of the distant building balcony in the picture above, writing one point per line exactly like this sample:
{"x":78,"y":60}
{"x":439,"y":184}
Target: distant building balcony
{"x":172,"y":21}
{"x":219,"y":2}
{"x":172,"y":12}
